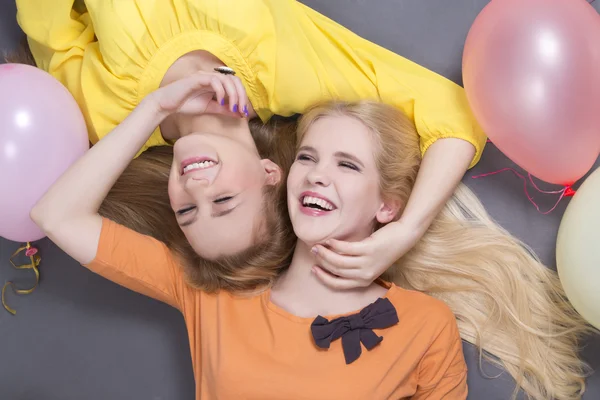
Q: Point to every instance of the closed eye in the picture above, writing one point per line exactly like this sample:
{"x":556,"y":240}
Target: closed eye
{"x":304,"y":157}
{"x":349,"y":165}
{"x":223,"y":199}
{"x":185,"y":210}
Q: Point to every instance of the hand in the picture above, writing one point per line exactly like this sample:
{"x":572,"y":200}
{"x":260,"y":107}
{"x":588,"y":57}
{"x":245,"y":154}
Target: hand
{"x":348,"y":265}
{"x":203,"y":92}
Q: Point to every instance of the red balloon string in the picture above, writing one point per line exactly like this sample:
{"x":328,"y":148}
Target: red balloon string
{"x":566,"y":191}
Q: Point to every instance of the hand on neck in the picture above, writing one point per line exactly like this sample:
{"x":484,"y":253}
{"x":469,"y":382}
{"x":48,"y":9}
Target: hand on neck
{"x":301,"y":293}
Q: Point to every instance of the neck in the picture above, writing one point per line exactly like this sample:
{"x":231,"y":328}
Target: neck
{"x":301,"y":293}
{"x":189,"y":64}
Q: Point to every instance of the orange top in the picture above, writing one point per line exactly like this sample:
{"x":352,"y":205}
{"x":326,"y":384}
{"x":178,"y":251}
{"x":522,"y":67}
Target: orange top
{"x":248,"y":348}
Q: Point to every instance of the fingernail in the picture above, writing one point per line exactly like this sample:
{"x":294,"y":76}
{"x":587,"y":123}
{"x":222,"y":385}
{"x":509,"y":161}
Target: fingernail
{"x":235,"y":108}
{"x":246,"y":110}
{"x":314,"y":250}
{"x":313,"y":270}
{"x":223,"y":101}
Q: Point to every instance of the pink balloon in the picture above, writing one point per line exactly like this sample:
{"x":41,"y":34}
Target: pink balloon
{"x":42,"y":132}
{"x":531,"y":70}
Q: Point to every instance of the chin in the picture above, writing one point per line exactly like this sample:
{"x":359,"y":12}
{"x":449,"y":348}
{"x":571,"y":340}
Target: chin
{"x":312,"y":237}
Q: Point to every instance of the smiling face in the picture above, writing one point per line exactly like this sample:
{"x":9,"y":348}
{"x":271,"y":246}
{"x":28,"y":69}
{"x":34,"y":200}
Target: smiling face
{"x":216,"y":190}
{"x":333,"y":185}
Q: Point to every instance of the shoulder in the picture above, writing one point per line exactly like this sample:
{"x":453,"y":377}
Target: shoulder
{"x":422,"y":311}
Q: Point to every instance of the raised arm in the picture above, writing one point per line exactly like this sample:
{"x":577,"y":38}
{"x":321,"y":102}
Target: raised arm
{"x":68,"y":212}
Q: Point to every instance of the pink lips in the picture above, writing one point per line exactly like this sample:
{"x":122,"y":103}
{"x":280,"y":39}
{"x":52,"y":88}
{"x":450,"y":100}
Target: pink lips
{"x":313,"y":212}
{"x":193,"y":160}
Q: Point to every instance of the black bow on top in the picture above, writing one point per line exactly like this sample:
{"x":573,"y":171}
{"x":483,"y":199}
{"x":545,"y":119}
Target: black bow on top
{"x":355,"y":328}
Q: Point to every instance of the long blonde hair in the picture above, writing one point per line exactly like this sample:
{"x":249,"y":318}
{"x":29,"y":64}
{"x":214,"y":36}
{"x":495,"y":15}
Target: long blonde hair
{"x":506,"y":301}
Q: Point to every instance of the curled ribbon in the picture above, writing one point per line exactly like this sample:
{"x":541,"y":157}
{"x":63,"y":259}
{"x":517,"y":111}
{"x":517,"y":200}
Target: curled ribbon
{"x":34,"y":261}
{"x":566,"y":191}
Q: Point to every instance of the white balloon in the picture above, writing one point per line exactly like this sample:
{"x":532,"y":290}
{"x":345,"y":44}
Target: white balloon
{"x":578,"y":250}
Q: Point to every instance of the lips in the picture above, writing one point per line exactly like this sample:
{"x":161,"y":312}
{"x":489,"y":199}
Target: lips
{"x":315,"y":204}
{"x":197,"y":163}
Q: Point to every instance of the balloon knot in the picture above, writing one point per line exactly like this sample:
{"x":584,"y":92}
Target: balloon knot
{"x":569,"y":192}
{"x":31,"y":251}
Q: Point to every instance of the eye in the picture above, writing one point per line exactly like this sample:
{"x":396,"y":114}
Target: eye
{"x":304,"y":157}
{"x":223,"y":199}
{"x":349,"y":165}
{"x":186,"y":210}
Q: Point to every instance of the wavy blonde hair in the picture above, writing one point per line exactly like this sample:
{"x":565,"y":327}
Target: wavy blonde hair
{"x":506,"y":301}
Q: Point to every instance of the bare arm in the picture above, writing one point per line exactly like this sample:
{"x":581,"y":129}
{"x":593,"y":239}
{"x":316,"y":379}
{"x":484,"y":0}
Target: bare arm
{"x":443,"y":166}
{"x":68,"y":212}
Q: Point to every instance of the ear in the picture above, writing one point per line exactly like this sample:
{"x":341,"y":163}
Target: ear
{"x":272,"y":170}
{"x":388,"y":211}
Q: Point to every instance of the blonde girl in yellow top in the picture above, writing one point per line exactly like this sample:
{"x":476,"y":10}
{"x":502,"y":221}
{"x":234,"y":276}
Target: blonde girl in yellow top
{"x":111,"y":54}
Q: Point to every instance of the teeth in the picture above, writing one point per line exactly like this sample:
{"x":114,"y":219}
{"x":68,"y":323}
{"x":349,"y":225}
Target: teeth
{"x":201,"y":165}
{"x":307,"y":200}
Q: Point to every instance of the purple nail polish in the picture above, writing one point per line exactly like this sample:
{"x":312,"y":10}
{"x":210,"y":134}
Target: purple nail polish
{"x":235,"y":108}
{"x":246,"y":110}
{"x":223,"y":102}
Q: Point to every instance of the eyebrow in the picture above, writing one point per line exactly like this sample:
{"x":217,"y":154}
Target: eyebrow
{"x":340,"y":154}
{"x":214,"y":215}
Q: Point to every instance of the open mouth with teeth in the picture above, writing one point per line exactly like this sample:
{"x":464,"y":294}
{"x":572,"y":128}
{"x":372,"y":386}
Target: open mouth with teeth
{"x":194,"y":165}
{"x":317,"y":203}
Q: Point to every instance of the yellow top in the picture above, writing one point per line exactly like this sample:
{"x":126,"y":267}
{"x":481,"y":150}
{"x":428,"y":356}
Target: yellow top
{"x":287,"y":55}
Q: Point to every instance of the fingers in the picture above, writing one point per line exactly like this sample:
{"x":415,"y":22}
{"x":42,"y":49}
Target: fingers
{"x":216,"y":85}
{"x":231,"y":87}
{"x":344,"y":267}
{"x":348,"y":248}
{"x":336,"y":282}
{"x":327,"y":257}
{"x":242,"y":96}
{"x":189,"y":95}
{"x":232,"y":92}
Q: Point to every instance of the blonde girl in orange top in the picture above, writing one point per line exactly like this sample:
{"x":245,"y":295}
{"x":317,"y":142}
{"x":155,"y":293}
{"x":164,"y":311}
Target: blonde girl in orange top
{"x":301,"y":339}
{"x":269,"y":344}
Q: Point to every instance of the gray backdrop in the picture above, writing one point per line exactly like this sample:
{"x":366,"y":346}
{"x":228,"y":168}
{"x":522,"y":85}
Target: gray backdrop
{"x":79,"y":336}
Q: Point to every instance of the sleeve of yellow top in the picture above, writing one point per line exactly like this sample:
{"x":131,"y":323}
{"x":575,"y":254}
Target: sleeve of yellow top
{"x":438,"y":106}
{"x":57,"y":36}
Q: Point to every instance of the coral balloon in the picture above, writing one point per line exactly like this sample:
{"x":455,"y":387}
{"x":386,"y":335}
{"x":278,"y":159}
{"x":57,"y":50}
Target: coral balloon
{"x":531,"y":73}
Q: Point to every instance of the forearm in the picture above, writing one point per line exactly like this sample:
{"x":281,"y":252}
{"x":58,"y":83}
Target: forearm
{"x":442,"y":168}
{"x":80,"y":191}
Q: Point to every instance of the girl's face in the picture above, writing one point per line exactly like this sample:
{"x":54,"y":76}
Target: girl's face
{"x":216,"y":190}
{"x":333,"y":185}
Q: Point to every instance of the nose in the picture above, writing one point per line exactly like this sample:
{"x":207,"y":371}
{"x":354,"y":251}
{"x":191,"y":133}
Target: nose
{"x":193,"y":183}
{"x":318,"y":176}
